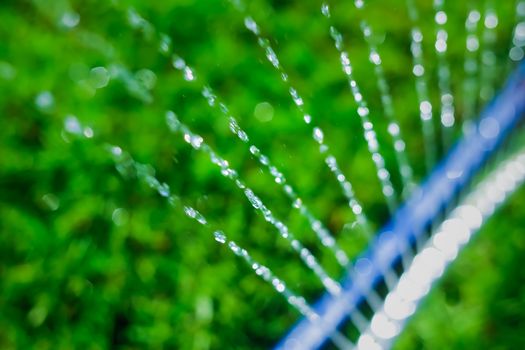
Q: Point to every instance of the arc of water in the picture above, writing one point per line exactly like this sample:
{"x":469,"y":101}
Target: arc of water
{"x":318,"y":135}
{"x":447,"y":98}
{"x":488,"y":58}
{"x":394,"y":129}
{"x":316,"y":225}
{"x":374,"y":300}
{"x":419,"y":71}
{"x":516,"y":52}
{"x":126,"y":165}
{"x":195,"y":140}
{"x":317,"y":132}
{"x":189,"y":74}
{"x":470,"y":82}
{"x":332,"y":286}
{"x":368,"y":128}
{"x":311,"y":262}
{"x":363,"y":111}
{"x":198,"y":143}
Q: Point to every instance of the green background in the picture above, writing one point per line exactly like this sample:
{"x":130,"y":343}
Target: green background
{"x":93,"y":260}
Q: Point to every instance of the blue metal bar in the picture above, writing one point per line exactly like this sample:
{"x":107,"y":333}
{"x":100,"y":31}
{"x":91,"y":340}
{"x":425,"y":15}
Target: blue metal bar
{"x":447,"y":179}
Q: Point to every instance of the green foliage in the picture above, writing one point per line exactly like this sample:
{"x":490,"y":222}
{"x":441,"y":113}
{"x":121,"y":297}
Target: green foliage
{"x":93,"y":260}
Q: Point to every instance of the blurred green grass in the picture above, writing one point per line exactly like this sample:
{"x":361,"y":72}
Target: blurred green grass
{"x":91,"y":260}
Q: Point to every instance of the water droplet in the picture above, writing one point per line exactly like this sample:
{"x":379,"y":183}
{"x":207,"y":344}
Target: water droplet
{"x":190,"y":212}
{"x":152,"y":181}
{"x":188,"y":74}
{"x":441,"y":17}
{"x":51,"y":201}
{"x":254,"y":150}
{"x":134,"y":18}
{"x":165,"y":44}
{"x":442,"y":34}
{"x":418,"y":70}
{"x":472,"y":43}
{"x":325,"y":10}
{"x":200,"y":218}
{"x":393,"y":128}
{"x":116,"y":151}
{"x":219,"y":237}
{"x":45,"y":101}
{"x":516,"y":54}
{"x":254,"y":200}
{"x":99,"y":77}
{"x":318,"y":135}
{"x":279,"y":285}
{"x":207,"y":92}
{"x":120,"y":216}
{"x":375,"y":58}
{"x":263,"y":112}
{"x":251,"y":25}
{"x":263,"y":271}
{"x":172,"y":121}
{"x":345,"y":61}
{"x":164,"y":190}
{"x":88,"y":132}
{"x":425,"y":107}
{"x":337,"y":37}
{"x":272,"y":57}
{"x":196,"y":141}
{"x":399,"y":145}
{"x":70,"y":19}
{"x":362,"y":111}
{"x":295,"y":96}
{"x":178,"y":62}
{"x":234,"y":247}
{"x":519,"y":32}
{"x":146,"y":78}
{"x":243,"y":136}
{"x":307,"y":118}
{"x":383,"y":174}
{"x":474,"y":16}
{"x":417,"y":36}
{"x":72,"y":125}
{"x":491,"y":21}
{"x":357,"y":209}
